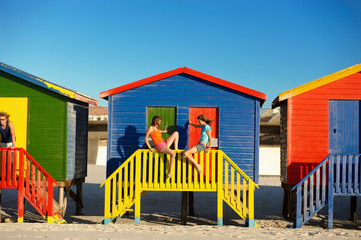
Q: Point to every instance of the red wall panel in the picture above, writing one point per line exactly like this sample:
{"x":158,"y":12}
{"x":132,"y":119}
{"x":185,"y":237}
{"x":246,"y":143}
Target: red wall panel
{"x":308,"y":124}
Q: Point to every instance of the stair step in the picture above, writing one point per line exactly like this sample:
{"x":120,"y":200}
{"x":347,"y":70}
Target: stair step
{"x":58,"y":219}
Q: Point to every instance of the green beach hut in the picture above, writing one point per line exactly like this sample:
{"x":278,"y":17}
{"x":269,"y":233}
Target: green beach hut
{"x":51,"y":123}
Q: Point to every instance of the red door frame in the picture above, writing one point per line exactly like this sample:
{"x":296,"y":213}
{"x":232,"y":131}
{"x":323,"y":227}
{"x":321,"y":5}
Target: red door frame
{"x":194,"y":133}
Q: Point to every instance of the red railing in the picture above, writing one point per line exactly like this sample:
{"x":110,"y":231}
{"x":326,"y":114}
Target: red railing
{"x":19,"y":170}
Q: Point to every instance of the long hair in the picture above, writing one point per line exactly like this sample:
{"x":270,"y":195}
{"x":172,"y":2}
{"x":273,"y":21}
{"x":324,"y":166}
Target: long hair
{"x":155,"y":119}
{"x":204,"y":119}
{"x":4,"y":114}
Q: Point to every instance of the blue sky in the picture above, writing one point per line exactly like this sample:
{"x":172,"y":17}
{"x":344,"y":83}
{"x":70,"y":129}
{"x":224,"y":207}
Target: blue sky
{"x":91,"y":46}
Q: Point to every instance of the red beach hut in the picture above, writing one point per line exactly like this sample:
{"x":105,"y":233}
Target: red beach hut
{"x":318,"y":118}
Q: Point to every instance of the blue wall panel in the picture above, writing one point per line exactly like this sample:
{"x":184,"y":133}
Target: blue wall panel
{"x":238,"y":125}
{"x":77,"y":141}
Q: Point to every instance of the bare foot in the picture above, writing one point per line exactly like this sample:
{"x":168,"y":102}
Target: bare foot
{"x":169,"y":175}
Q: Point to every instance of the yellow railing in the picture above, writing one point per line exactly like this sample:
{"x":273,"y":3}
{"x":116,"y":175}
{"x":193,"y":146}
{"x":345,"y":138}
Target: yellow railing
{"x":239,"y":191}
{"x":147,"y":171}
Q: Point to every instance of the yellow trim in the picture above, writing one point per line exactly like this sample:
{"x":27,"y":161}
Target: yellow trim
{"x":20,"y":220}
{"x":66,"y":92}
{"x":319,"y":82}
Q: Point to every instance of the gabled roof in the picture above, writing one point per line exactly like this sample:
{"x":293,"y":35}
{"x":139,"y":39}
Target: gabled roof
{"x":316,"y":83}
{"x":46,"y":84}
{"x":188,"y":71}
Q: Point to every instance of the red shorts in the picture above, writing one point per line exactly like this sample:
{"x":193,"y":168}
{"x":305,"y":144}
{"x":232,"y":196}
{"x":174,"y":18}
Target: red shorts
{"x":160,"y":146}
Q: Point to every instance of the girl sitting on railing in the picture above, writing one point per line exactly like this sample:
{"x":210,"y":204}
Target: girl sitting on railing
{"x":162,"y":145}
{"x":206,"y":138}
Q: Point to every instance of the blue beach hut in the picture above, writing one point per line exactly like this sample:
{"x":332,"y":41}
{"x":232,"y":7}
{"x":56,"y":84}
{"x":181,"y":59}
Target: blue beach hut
{"x":180,"y":95}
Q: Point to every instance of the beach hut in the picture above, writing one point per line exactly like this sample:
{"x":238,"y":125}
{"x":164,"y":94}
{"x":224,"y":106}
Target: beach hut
{"x":51,"y":124}
{"x":178,"y":96}
{"x":318,"y":118}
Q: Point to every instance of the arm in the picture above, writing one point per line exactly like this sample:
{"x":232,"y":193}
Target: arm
{"x":165,"y":130}
{"x":12,"y":131}
{"x":194,"y":125}
{"x":209,"y":133}
{"x":146,"y":138}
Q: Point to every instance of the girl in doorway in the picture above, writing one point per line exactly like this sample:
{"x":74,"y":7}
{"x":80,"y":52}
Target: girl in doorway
{"x":7,"y":131}
{"x":162,"y":145}
{"x":206,"y":139}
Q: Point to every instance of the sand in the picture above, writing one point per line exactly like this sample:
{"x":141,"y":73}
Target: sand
{"x":160,"y":217}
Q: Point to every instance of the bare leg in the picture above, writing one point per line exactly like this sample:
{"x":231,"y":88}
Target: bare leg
{"x":172,"y":154}
{"x":188,"y":154}
{"x":174,"y":137}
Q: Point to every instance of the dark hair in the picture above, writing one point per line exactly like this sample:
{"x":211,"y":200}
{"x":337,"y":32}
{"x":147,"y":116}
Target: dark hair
{"x":4,"y":114}
{"x":155,"y":120}
{"x":204,"y":119}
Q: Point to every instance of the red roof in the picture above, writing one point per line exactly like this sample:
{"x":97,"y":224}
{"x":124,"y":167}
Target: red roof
{"x":188,"y":71}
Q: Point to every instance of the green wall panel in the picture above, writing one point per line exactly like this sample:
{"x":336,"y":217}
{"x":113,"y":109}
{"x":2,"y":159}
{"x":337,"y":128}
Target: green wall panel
{"x":169,"y":118}
{"x":46,"y":123}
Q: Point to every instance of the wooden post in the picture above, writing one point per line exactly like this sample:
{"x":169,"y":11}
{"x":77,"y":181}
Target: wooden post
{"x":354,"y":208}
{"x":191,"y":203}
{"x":80,"y":200}
{"x":289,"y":202}
{"x":137,"y":188}
{"x":61,"y":201}
{"x":219,"y":190}
{"x":0,"y":200}
{"x":21,"y":189}
{"x":330,"y":193}
{"x":184,"y":208}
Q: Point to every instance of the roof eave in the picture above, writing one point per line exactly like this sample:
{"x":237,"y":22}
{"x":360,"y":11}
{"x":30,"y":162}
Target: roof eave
{"x":188,"y":71}
{"x":46,"y":84}
{"x":319,"y":82}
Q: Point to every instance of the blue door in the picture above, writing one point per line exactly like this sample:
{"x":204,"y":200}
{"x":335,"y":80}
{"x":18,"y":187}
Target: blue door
{"x":344,"y":126}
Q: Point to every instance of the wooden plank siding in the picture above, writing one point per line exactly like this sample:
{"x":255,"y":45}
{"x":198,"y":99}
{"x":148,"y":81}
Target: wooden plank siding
{"x":77,"y":131}
{"x":308,"y":124}
{"x":237,"y":118}
{"x":283,"y":141}
{"x":47,"y":123}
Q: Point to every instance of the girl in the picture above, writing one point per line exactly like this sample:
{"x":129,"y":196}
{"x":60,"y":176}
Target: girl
{"x":7,"y":132}
{"x":162,"y":145}
{"x":205,"y":139}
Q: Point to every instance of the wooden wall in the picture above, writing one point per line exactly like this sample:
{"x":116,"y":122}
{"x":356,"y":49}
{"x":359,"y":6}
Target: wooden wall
{"x":77,"y":141}
{"x":283,"y":141}
{"x":238,"y":118}
{"x":47,"y":123}
{"x":308,"y":121}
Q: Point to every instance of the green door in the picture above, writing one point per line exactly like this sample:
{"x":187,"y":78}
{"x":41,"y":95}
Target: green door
{"x":169,"y":118}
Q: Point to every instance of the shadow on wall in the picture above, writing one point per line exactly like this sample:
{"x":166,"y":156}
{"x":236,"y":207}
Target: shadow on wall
{"x":132,"y":141}
{"x":126,"y":146}
{"x":183,"y":136}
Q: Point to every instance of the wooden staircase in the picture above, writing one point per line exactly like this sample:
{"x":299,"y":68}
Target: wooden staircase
{"x":336,"y":175}
{"x":147,"y":171}
{"x":20,"y":171}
